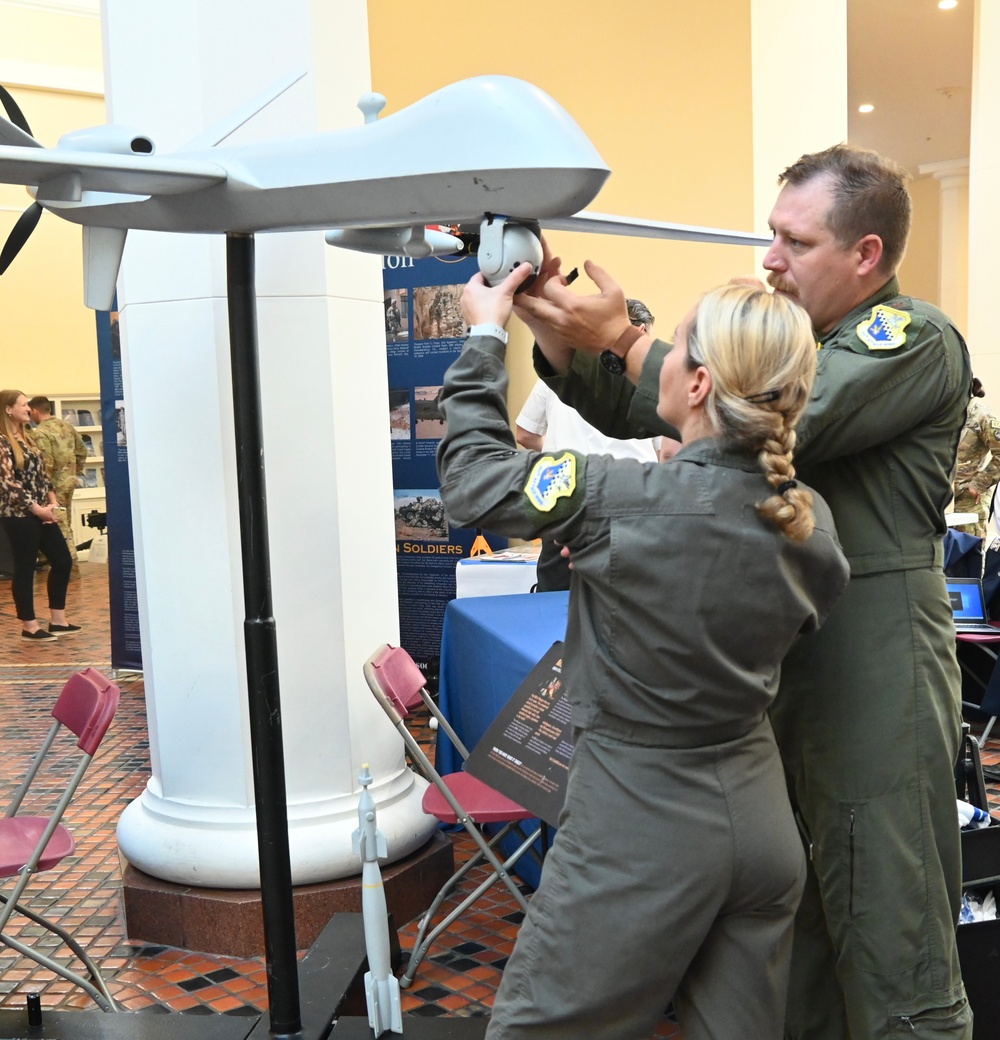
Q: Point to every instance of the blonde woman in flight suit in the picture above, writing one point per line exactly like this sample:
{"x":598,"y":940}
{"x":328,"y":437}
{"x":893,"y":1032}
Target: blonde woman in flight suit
{"x":677,"y":867}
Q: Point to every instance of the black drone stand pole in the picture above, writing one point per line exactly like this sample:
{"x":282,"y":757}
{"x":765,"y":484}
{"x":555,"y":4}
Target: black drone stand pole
{"x":261,"y":647}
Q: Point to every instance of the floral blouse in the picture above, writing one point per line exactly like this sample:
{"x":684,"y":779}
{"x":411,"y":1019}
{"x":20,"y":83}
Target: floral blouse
{"x":19,"y":488}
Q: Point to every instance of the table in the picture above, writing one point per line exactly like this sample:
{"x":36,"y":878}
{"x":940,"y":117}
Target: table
{"x":987,"y":678}
{"x":503,"y":573}
{"x":488,"y":646}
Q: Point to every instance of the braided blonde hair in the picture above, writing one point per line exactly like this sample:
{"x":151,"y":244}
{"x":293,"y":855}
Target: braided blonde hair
{"x":761,"y":353}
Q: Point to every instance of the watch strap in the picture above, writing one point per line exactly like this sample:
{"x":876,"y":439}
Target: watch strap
{"x":625,"y":341}
{"x":489,"y":330}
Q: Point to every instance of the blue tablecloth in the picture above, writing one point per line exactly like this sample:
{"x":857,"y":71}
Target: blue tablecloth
{"x":488,"y":646}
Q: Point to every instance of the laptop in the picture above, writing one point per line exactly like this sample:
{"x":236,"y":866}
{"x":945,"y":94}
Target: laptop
{"x":969,"y":606}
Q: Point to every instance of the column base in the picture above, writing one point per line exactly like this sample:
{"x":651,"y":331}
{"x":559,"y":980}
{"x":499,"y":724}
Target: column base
{"x":229,"y":921}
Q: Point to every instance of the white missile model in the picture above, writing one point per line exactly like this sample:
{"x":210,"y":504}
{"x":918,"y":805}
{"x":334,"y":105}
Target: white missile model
{"x":381,"y":986}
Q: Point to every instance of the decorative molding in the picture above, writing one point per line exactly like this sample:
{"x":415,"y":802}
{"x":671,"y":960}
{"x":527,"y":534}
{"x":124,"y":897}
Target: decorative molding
{"x":57,"y":78}
{"x":945,"y":168}
{"x":86,"y":8}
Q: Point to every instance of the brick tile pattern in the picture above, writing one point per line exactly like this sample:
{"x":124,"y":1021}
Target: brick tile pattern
{"x":458,"y":977}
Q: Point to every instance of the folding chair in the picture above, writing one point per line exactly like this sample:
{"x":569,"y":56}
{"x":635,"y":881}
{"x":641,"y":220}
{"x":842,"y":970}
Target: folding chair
{"x":28,"y":844}
{"x":456,"y":798}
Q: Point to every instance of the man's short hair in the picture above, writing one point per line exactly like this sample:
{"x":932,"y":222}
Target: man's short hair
{"x":639,"y":313}
{"x":43,"y":404}
{"x":869,"y":197}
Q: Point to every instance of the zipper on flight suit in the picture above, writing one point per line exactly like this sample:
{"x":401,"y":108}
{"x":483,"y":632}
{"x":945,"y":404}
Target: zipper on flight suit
{"x":850,"y":833}
{"x":804,"y":834}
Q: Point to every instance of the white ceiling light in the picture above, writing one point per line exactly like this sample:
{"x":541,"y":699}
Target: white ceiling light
{"x":947,"y":5}
{"x":869,"y":108}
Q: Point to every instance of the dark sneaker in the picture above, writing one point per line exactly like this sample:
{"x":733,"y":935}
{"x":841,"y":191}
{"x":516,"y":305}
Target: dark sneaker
{"x":59,"y":630}
{"x":38,"y":635}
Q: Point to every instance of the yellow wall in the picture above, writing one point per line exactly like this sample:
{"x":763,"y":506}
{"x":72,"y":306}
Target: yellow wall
{"x":47,"y":339}
{"x":918,"y":273}
{"x":661,"y":87}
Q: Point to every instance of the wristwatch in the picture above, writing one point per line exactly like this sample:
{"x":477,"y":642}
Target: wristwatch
{"x":489,"y":330}
{"x":613,"y":359}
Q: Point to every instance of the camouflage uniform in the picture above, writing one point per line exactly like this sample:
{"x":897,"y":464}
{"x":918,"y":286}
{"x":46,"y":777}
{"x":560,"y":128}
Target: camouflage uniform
{"x":868,"y":713}
{"x":64,"y":453}
{"x":980,"y":440}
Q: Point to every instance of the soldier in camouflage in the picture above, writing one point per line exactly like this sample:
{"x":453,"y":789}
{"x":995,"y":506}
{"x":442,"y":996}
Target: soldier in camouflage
{"x":977,"y":467}
{"x":64,"y":453}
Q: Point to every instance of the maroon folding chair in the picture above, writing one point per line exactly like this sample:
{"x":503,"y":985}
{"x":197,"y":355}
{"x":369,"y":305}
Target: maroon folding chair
{"x":29,"y":844}
{"x":455,"y":798}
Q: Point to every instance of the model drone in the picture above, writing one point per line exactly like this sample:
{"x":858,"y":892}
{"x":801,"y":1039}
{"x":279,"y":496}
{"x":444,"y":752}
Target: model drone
{"x":515,"y":162}
{"x":389,"y":186}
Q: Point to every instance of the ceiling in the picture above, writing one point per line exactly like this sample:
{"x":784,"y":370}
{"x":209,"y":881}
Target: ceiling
{"x":913,"y":62}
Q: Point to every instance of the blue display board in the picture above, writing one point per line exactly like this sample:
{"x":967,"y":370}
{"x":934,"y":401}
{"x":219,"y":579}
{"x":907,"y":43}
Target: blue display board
{"x":126,"y":648}
{"x":424,"y":333}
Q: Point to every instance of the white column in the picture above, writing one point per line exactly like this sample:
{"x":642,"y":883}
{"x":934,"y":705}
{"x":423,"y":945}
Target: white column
{"x":173,"y":70}
{"x":795,"y":114}
{"x":984,"y":197}
{"x":953,"y":228}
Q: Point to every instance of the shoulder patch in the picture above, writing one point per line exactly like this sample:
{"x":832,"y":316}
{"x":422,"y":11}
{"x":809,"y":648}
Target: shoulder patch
{"x":550,"y":480}
{"x":885,"y":328}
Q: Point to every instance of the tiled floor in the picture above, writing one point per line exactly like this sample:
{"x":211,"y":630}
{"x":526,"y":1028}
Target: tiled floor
{"x":458,"y":978}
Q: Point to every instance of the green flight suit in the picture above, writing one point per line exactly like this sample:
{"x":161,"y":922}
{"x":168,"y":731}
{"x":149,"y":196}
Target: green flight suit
{"x":868,"y":714}
{"x":677,"y":866}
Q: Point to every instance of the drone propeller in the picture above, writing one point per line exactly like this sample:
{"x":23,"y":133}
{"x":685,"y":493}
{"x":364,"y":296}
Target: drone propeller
{"x":14,"y":114}
{"x":19,"y":235}
{"x":27,"y":221}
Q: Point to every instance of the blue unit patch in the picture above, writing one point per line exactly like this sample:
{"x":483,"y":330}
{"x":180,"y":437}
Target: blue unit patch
{"x":885,"y":329}
{"x":550,"y":480}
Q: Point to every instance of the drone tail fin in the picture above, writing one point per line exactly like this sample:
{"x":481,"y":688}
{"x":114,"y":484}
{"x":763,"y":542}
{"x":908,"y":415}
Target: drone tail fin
{"x":218,"y":132}
{"x":102,"y":257}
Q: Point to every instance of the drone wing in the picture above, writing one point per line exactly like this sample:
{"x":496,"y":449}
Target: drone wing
{"x":606,"y":224}
{"x":101,"y":171}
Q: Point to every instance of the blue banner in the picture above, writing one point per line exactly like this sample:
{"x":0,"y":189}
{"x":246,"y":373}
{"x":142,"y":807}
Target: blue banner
{"x":126,"y":649}
{"x":424,"y":333}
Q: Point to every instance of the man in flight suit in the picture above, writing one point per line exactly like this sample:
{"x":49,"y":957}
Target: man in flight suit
{"x":868,"y":713}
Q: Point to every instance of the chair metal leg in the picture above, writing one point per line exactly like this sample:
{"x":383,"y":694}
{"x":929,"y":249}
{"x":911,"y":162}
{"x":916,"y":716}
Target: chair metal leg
{"x":986,"y":732}
{"x":103,"y":999}
{"x":501,"y":872}
{"x":446,"y":890}
{"x":98,"y":991}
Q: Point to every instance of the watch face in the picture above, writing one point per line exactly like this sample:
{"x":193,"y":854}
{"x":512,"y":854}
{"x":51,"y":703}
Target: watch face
{"x":613,"y":363}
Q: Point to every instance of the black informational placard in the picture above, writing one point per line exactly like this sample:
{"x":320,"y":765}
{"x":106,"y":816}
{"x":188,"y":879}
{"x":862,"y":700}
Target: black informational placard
{"x":525,"y":753}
